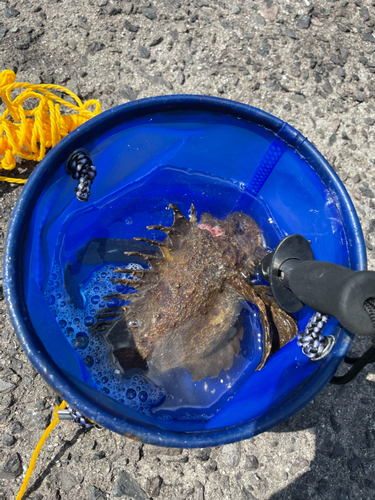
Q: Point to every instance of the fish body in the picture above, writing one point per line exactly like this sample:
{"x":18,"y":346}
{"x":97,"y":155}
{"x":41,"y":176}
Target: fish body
{"x":186,"y":312}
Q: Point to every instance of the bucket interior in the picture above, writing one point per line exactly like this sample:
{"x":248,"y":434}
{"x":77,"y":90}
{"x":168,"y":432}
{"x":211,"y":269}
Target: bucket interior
{"x":72,"y":249}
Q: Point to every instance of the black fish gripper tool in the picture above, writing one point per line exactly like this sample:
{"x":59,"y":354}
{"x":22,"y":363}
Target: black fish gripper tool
{"x":296,"y":280}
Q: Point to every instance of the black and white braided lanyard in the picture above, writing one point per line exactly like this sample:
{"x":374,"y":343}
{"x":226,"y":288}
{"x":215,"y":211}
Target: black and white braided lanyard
{"x":315,"y":345}
{"x":71,"y":414}
{"x":80,"y":167}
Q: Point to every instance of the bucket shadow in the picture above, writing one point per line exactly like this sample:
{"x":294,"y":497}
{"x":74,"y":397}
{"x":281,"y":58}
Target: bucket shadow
{"x":341,"y":418}
{"x":48,"y":469}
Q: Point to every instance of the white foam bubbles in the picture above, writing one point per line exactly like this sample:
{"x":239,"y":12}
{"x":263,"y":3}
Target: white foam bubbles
{"x":93,"y":350}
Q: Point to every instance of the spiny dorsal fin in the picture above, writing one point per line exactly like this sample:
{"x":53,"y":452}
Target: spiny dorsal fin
{"x":125,"y":281}
{"x":166,"y":229}
{"x":193,"y":215}
{"x":164,"y":246}
{"x":145,"y":256}
{"x":135,"y":272}
{"x":176,"y":212}
{"x":151,"y":242}
{"x":180,"y":221}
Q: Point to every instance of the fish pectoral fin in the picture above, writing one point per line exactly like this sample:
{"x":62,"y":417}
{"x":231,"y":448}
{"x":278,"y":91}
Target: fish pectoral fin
{"x":151,"y":242}
{"x":249,"y":294}
{"x":262,"y":289}
{"x":145,"y":256}
{"x":286,"y":325}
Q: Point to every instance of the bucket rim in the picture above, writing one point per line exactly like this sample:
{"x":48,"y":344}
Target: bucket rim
{"x":20,"y":219}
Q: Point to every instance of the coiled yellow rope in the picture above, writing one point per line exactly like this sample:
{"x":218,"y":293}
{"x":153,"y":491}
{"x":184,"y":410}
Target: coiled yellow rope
{"x":29,"y":133}
{"x":34,"y":457}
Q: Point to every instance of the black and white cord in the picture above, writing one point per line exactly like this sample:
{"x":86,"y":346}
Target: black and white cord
{"x":80,"y":167}
{"x":70,"y":413}
{"x":313,"y":343}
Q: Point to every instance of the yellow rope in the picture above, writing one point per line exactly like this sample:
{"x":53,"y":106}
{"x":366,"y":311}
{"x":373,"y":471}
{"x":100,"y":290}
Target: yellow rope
{"x":11,"y":179}
{"x":28,"y":133}
{"x":34,"y":457}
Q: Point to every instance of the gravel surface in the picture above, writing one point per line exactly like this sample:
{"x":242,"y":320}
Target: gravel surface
{"x":311,"y":64}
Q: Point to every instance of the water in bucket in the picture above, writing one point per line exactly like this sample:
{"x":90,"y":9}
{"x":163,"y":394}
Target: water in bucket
{"x":74,"y":249}
{"x":80,"y":281}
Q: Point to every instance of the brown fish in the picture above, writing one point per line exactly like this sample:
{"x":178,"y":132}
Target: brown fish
{"x":187,"y":309}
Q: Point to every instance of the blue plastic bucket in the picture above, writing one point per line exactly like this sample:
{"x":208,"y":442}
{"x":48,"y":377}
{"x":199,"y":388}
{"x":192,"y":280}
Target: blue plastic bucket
{"x":219,"y":155}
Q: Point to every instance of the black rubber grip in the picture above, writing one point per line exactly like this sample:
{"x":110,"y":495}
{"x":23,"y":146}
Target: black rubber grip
{"x":337,"y":291}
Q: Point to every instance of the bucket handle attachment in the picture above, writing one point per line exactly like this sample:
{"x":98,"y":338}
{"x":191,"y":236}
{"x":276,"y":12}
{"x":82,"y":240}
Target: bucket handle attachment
{"x":80,"y":166}
{"x":70,"y":413}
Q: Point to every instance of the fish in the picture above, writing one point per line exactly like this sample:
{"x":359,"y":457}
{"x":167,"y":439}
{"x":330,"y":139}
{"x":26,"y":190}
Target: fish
{"x":185,"y":307}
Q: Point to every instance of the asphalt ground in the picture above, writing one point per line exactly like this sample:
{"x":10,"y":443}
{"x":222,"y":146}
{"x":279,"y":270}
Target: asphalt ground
{"x":310,"y":64}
